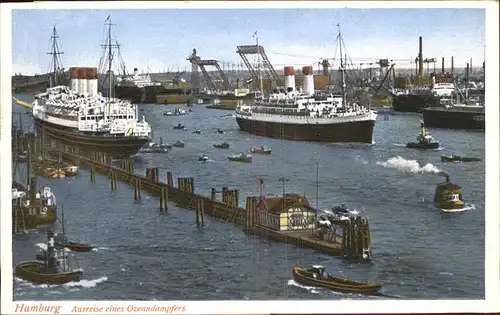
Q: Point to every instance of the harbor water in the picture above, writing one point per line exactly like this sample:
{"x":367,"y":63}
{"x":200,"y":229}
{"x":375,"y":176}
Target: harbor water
{"x":419,"y":252}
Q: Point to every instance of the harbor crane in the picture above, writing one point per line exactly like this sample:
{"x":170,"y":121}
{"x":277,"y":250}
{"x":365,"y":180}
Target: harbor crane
{"x":267,"y":69}
{"x":197,"y":62}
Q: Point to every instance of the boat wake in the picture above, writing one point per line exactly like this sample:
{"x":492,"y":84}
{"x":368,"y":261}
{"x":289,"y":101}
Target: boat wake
{"x":86,"y":283}
{"x":96,"y":249}
{"x":467,"y":207}
{"x":347,"y":296}
{"x":404,"y":146}
{"x":409,"y":166}
{"x":313,"y":290}
{"x":78,"y":284}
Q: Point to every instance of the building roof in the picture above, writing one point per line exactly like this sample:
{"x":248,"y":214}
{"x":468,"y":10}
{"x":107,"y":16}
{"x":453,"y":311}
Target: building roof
{"x":278,"y":205}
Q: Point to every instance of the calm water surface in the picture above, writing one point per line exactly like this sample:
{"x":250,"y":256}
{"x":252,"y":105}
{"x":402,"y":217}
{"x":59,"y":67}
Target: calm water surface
{"x":419,"y":252}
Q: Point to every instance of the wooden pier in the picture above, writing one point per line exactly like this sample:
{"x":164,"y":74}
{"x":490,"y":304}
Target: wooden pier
{"x":354,"y":243}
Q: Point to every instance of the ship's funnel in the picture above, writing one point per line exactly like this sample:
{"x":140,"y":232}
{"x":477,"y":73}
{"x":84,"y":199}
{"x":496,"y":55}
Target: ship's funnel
{"x":442,"y":65}
{"x":136,"y":71}
{"x":92,"y":85}
{"x":82,"y":81}
{"x":308,"y":81}
{"x":73,"y":75}
{"x":420,"y":58}
{"x":289,"y":79}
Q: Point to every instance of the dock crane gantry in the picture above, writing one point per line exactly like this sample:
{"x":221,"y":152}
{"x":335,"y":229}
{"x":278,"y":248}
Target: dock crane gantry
{"x":197,"y":62}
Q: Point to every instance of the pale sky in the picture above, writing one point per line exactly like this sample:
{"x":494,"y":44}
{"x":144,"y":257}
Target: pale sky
{"x":163,"y":38}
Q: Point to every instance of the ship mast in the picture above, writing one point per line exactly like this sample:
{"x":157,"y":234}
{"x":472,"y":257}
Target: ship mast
{"x":342,"y":70}
{"x":56,"y":65}
{"x":109,"y":47}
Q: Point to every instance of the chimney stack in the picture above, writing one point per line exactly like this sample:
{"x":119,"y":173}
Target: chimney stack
{"x":420,"y":58}
{"x":92,"y":85}
{"x":74,"y":79}
{"x":289,"y":79}
{"x":452,"y":66}
{"x":82,"y":81}
{"x":308,"y":80}
{"x":442,"y":65}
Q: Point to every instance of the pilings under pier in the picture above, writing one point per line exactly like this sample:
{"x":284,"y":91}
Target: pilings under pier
{"x":354,"y":242}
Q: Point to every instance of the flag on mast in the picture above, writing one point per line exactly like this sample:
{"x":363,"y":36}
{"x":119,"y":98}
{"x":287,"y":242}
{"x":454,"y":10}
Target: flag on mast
{"x":255,"y":34}
{"x":107,"y":19}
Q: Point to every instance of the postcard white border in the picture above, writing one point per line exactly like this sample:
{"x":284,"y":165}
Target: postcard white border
{"x":492,"y":235}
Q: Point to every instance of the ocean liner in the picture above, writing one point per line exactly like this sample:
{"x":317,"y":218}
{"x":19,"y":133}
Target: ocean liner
{"x":79,"y":115}
{"x":305,"y":115}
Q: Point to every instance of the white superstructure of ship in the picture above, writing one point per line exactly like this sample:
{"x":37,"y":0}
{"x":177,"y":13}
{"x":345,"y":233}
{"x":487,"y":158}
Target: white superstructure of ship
{"x":82,"y":108}
{"x":136,"y":80}
{"x":304,"y":106}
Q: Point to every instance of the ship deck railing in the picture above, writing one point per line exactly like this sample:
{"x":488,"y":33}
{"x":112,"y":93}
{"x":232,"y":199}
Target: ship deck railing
{"x":308,"y":117}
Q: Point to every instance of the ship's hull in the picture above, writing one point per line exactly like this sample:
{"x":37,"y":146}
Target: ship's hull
{"x":454,"y":119}
{"x":137,"y":95}
{"x":414,"y":103}
{"x":349,"y":131}
{"x":113,"y":146}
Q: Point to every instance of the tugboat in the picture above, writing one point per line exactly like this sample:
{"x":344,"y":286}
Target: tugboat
{"x":242,"y":157}
{"x":316,"y":276}
{"x":203,"y":158}
{"x":424,"y":141}
{"x":53,"y":270}
{"x":179,"y":144}
{"x":261,"y":150}
{"x":153,"y":147}
{"x":223,"y":145}
{"x":458,"y":158}
{"x":343,"y":210}
{"x":180,"y":126}
{"x":448,"y":196}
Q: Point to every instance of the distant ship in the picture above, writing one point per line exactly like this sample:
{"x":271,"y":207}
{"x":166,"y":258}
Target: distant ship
{"x":79,"y":115}
{"x":415,"y":100}
{"x":422,"y":93}
{"x":455,"y":116}
{"x":306,"y":115}
{"x":137,"y":88}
